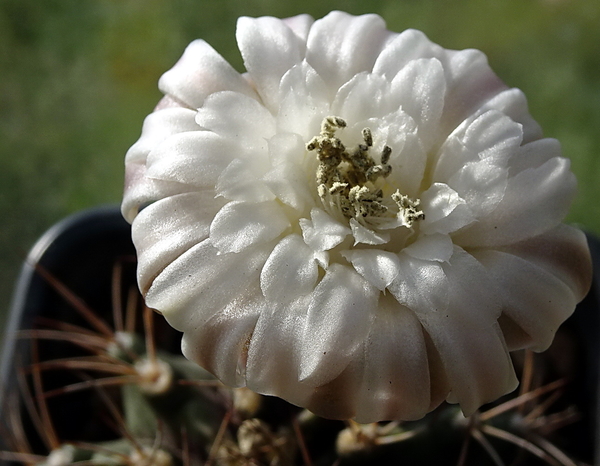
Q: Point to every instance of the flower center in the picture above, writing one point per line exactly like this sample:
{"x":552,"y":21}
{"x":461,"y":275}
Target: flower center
{"x":351,"y":182}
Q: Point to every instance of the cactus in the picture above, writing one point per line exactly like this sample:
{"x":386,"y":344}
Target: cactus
{"x":162,"y":410}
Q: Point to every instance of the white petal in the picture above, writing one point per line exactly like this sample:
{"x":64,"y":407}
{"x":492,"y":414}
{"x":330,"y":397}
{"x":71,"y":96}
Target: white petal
{"x":159,"y":126}
{"x":536,"y":200}
{"x":141,"y":190}
{"x":239,"y":225}
{"x":365,"y":235}
{"x":407,"y":46}
{"x":300,"y":24}
{"x":269,"y":48}
{"x":395,"y":378}
{"x":445,"y":211}
{"x":304,"y":101}
{"x":481,"y":185}
{"x":290,"y":271}
{"x":196,"y":158}
{"x":366,"y":95}
{"x":420,"y":88}
{"x":492,"y":137}
{"x":241,"y":181}
{"x":408,"y":158}
{"x":290,"y":186}
{"x":538,"y":302}
{"x":562,"y":251}
{"x":322,"y":232}
{"x":279,"y":332}
{"x":219,"y":342}
{"x":471,"y":83}
{"x":378,"y":267}
{"x":434,"y":247}
{"x":340,"y":46}
{"x":534,"y":155}
{"x":238,"y":118}
{"x":167,"y":228}
{"x":420,"y":283}
{"x":466,"y":333}
{"x":202,"y":282}
{"x":200,"y":72}
{"x":288,"y":178}
{"x":342,"y":306}
{"x":512,"y":103}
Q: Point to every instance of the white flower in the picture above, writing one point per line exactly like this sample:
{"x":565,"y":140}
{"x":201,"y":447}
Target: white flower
{"x":364,"y":223}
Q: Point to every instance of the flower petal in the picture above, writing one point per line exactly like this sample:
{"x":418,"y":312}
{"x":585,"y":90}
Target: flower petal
{"x":378,"y":267}
{"x":303,"y":101}
{"x":322,"y":232}
{"x":445,"y":211}
{"x":202,"y":282}
{"x":366,"y":95}
{"x":279,"y":332}
{"x":434,"y":247}
{"x":338,"y":319}
{"x":241,"y":181}
{"x":237,"y":118}
{"x":300,"y":24}
{"x":471,"y":83}
{"x":167,"y":228}
{"x":269,"y":48}
{"x":492,"y":137}
{"x":219,"y":342}
{"x":395,"y":378}
{"x":420,"y":89}
{"x":239,"y":225}
{"x":365,"y":235}
{"x":159,"y":126}
{"x":200,"y":72}
{"x":512,"y":103}
{"x":195,"y":158}
{"x":538,"y":302}
{"x":536,"y":200}
{"x":290,"y":271}
{"x":402,"y":49}
{"x":140,"y":190}
{"x":341,"y":45}
{"x":466,"y":333}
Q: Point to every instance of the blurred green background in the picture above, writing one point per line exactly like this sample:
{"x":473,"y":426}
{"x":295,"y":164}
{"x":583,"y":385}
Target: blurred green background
{"x":77,"y":78}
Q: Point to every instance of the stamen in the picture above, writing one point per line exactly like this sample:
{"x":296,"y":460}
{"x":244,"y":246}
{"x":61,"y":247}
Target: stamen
{"x":349,"y":180}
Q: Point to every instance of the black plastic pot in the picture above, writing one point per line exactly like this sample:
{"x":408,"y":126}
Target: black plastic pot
{"x":80,"y":253}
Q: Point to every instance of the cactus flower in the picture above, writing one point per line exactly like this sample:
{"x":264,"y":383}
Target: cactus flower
{"x":363,"y":223}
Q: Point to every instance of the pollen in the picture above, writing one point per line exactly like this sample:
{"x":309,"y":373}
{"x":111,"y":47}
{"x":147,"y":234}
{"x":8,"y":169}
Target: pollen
{"x":350,"y":180}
